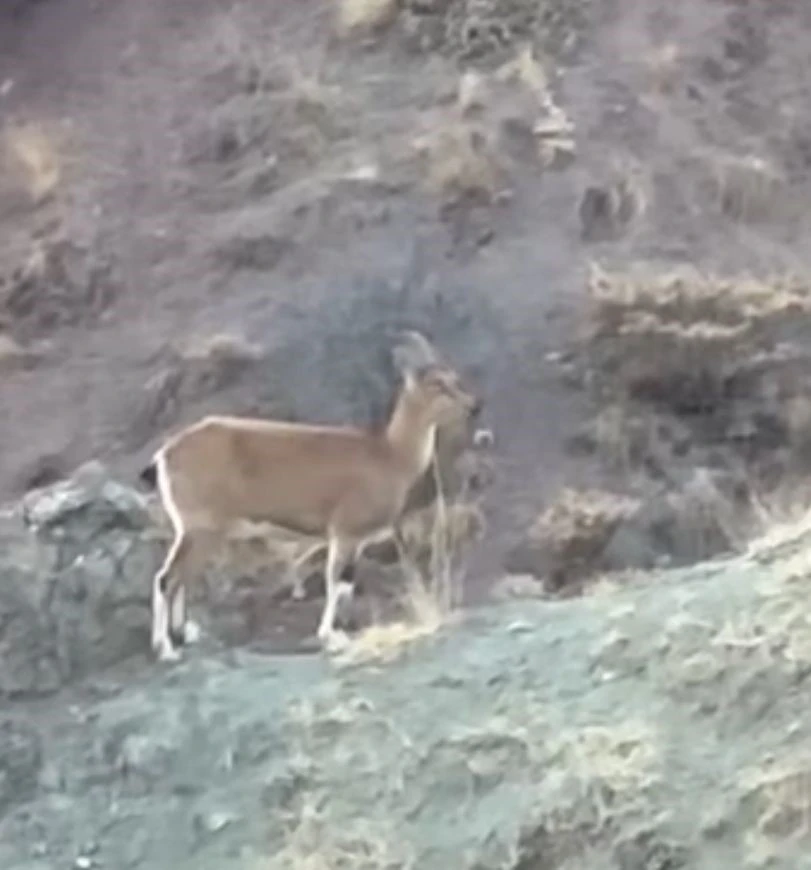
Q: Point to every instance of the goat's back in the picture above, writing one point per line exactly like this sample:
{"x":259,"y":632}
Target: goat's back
{"x":294,"y":475}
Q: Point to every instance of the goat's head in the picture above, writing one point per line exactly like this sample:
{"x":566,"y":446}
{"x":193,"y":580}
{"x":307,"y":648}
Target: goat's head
{"x":440,"y":395}
{"x":432,"y":384}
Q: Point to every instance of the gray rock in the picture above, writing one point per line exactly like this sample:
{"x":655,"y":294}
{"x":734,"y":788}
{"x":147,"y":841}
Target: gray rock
{"x":20,"y":762}
{"x":75,"y":571}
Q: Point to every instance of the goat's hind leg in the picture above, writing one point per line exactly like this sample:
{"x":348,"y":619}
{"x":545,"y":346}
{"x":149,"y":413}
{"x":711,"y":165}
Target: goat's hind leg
{"x":191,"y":564}
{"x":183,"y":630}
{"x":162,"y":599}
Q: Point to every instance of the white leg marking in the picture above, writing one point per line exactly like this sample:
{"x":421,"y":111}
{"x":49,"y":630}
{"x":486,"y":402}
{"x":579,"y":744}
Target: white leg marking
{"x":345,"y":592}
{"x":336,"y":558}
{"x":181,"y":625}
{"x":158,"y":612}
{"x":168,"y":652}
{"x":339,"y":554}
{"x":161,"y":617}
{"x":178,"y":615}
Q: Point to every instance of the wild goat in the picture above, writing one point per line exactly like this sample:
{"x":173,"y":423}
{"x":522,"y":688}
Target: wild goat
{"x":340,"y":483}
{"x":457,"y":466}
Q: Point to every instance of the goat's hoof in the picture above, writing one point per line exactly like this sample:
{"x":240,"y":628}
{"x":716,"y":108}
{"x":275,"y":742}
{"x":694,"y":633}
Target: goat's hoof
{"x":191,"y":632}
{"x":168,"y":654}
{"x":336,"y":641}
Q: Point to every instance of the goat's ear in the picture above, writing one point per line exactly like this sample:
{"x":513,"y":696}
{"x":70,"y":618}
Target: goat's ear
{"x":412,"y":352}
{"x":404,"y":360}
{"x":409,"y":379}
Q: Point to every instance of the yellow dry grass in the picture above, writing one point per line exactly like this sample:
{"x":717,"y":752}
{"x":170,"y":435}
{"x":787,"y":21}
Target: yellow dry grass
{"x":364,"y":16}
{"x":220,"y":347}
{"x":459,"y":159}
{"x":314,"y":843}
{"x":440,"y":531}
{"x":623,"y":758}
{"x":744,"y":188}
{"x":778,"y":795}
{"x":651,"y":329}
{"x":663,"y":67}
{"x":579,"y":521}
{"x":12,"y":353}
{"x":34,"y":154}
{"x":783,"y":517}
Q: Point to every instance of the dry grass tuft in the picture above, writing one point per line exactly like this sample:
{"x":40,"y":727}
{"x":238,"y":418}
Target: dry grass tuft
{"x":220,"y":347}
{"x":778,"y":795}
{"x":12,"y":354}
{"x":568,"y":544}
{"x":514,"y":107}
{"x":780,"y":517}
{"x":575,"y":528}
{"x":460,"y":161}
{"x":525,"y":70}
{"x":36,"y":157}
{"x":744,"y":188}
{"x":428,"y":605}
{"x":382,"y":643}
{"x":464,"y":521}
{"x":679,"y":336}
{"x":364,"y":16}
{"x":551,"y":127}
{"x":663,"y":68}
{"x":622,"y":758}
{"x":314,"y":843}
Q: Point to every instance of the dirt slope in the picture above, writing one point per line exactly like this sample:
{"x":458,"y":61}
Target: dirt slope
{"x":659,"y":725}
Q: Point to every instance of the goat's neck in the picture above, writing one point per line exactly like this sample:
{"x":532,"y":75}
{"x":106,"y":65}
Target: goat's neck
{"x":411,"y":436}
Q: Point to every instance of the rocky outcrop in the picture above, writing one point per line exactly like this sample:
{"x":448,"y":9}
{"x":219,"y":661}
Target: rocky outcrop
{"x":589,"y":533}
{"x":75,"y":567}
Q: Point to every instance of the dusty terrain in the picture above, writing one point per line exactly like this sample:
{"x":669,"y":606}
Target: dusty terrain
{"x":644,"y":726}
{"x":598,"y":212}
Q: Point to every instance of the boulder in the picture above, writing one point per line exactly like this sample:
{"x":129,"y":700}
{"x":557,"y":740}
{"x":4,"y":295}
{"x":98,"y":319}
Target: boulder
{"x":75,"y":570}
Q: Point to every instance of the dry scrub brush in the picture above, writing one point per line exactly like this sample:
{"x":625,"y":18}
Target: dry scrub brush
{"x":315,"y":842}
{"x":460,"y":160}
{"x":290,"y":111}
{"x":434,"y":540}
{"x":364,"y":17}
{"x":743,"y":188}
{"x":777,"y":798}
{"x":678,"y":336}
{"x":32,"y":154}
{"x":464,"y":148}
{"x":571,"y":534}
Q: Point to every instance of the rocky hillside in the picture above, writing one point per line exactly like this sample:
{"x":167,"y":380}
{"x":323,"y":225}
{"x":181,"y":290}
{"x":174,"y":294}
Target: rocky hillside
{"x":598,"y":212}
{"x":652,"y":725}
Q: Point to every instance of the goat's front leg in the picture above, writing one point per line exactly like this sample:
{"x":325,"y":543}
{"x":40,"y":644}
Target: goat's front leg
{"x":339,"y":554}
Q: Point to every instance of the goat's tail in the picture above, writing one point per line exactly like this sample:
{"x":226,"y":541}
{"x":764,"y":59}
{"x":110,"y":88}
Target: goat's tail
{"x":149,"y":474}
